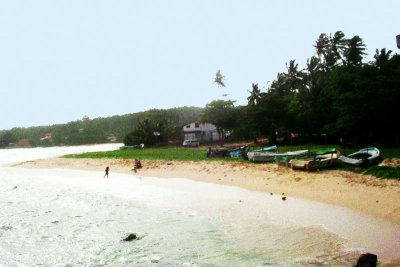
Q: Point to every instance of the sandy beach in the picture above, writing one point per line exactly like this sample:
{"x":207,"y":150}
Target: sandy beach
{"x":365,"y":194}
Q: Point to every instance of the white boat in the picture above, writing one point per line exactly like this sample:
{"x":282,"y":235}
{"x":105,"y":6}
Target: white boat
{"x":365,"y":155}
{"x":265,"y":154}
{"x":256,"y":156}
{"x":270,"y":156}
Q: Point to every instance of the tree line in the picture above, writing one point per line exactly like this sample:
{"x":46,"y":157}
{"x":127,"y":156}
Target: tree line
{"x":335,"y":98}
{"x":100,"y":130}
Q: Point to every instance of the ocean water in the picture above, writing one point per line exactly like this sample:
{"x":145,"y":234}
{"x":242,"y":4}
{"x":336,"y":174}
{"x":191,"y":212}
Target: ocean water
{"x":57,"y":217}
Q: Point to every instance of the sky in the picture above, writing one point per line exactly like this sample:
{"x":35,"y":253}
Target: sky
{"x":62,"y":60}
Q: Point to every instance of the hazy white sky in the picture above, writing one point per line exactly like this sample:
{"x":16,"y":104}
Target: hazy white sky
{"x":61,"y":60}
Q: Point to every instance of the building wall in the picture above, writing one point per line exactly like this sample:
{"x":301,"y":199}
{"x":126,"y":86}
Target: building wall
{"x":200,"y":131}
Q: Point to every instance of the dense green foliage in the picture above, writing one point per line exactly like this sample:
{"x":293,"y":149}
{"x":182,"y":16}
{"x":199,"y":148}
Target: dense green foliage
{"x":335,"y":97}
{"x":99,"y":130}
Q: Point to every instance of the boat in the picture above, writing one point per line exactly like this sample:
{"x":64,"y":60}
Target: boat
{"x":217,"y":153}
{"x":233,"y":152}
{"x":238,"y":152}
{"x":256,"y":156}
{"x":266,"y":149}
{"x":284,"y":158}
{"x":363,"y":156}
{"x":265,"y":154}
{"x":321,"y":159}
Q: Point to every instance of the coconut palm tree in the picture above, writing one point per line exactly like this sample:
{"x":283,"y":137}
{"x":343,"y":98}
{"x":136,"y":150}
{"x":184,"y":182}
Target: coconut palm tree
{"x":381,"y":57}
{"x":254,"y":95}
{"x":330,"y":49}
{"x":354,"y":52}
{"x":294,"y":76}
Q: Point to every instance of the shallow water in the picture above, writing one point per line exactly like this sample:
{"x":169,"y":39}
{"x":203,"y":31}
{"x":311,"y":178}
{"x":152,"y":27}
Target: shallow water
{"x":55,"y":217}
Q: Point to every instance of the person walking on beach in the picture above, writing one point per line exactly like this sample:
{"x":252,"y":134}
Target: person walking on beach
{"x":138,"y":165}
{"x":107,"y":170}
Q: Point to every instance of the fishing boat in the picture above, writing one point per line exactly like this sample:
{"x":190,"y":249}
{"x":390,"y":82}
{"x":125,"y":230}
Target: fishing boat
{"x":320,"y":160}
{"x":237,"y":152}
{"x":284,"y":158}
{"x":265,"y":154}
{"x":266,"y":149}
{"x":363,"y":156}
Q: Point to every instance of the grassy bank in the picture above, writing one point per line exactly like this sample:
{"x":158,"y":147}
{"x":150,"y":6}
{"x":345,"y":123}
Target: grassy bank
{"x":199,"y":154}
{"x":170,"y":153}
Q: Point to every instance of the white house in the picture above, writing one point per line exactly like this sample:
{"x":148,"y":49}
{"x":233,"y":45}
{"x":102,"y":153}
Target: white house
{"x":200,"y":131}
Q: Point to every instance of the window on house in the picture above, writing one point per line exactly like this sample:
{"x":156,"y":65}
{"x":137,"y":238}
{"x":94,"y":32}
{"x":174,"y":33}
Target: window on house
{"x":187,"y":126}
{"x":196,"y":125}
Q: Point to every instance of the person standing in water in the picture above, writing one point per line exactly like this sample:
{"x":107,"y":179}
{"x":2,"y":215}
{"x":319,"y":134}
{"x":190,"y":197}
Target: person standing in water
{"x":107,"y":170}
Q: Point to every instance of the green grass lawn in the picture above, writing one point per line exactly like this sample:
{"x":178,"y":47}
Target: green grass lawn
{"x":199,"y":154}
{"x":170,"y":153}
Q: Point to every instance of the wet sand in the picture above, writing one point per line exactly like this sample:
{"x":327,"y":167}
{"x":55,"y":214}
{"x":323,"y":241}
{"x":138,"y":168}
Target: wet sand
{"x":363,"y":193}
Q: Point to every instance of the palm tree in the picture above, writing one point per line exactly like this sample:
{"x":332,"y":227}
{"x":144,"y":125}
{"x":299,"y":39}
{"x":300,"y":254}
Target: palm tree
{"x":254,"y":95}
{"x":322,"y":45}
{"x":330,"y":49}
{"x":381,"y":57}
{"x":354,"y":52}
{"x":293,"y":76}
{"x":313,"y":69}
{"x":338,"y":45}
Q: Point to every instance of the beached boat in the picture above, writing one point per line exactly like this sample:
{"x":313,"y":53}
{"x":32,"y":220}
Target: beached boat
{"x":217,"y":153}
{"x":284,"y":158}
{"x":266,"y":149}
{"x":255,"y":156}
{"x":265,"y":154}
{"x":320,"y":160}
{"x":238,"y":152}
{"x":363,"y":156}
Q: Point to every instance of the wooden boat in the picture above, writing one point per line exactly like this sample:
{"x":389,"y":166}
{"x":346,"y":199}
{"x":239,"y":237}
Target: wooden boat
{"x":320,"y":160}
{"x":363,"y":156}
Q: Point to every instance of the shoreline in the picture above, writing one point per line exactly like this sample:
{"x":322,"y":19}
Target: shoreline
{"x":363,"y":193}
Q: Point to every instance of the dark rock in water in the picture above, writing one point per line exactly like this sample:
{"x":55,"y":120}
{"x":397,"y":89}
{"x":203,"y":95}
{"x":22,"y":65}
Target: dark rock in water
{"x":15,"y":187}
{"x":283,"y":198}
{"x":367,"y":260}
{"x":5,"y":227}
{"x":130,"y":237}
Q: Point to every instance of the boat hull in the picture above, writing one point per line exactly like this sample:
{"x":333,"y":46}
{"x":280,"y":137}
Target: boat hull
{"x":317,"y":162}
{"x":364,"y":156}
